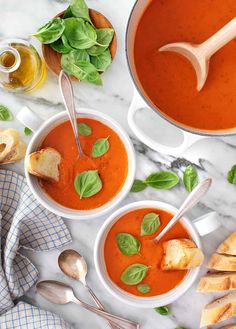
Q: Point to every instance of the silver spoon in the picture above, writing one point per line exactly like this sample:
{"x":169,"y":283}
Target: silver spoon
{"x":193,"y":198}
{"x":60,"y":293}
{"x":74,"y":266}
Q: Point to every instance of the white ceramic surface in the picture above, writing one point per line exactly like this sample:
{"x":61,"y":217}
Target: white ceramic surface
{"x":202,"y":226}
{"x":212,"y":158}
{"x":41,"y":129}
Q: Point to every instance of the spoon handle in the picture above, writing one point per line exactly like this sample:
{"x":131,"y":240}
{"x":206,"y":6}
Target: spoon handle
{"x":99,"y":304}
{"x":189,"y":203}
{"x":116,"y":320}
{"x":68,"y":98}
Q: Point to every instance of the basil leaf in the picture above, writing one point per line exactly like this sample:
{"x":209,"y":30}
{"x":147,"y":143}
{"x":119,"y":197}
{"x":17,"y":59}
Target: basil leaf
{"x":144,"y":288}
{"x":128,"y":244}
{"x":51,"y":31}
{"x":27,"y":131}
{"x":134,"y":274}
{"x":100,"y":147}
{"x":5,"y":113}
{"x":163,"y":180}
{"x":80,"y":9}
{"x":232,"y":175}
{"x":79,"y":55}
{"x":104,"y":38}
{"x":61,"y":45}
{"x":190,"y":178}
{"x":163,"y":310}
{"x":84,"y":129}
{"x":87,"y":183}
{"x":80,"y":34}
{"x":102,"y":61}
{"x":138,"y":186}
{"x":67,"y":13}
{"x":150,"y":224}
{"x":82,"y":70}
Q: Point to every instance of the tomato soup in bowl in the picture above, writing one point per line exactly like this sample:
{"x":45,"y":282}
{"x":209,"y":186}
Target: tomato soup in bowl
{"x":128,"y":261}
{"x":110,"y":156}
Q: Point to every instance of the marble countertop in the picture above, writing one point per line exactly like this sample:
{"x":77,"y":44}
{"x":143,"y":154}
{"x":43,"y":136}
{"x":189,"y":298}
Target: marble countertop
{"x":212,"y":157}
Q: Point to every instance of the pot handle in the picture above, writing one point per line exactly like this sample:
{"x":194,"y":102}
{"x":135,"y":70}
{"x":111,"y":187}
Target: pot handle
{"x":29,"y":119}
{"x":207,"y":223}
{"x":138,"y":104}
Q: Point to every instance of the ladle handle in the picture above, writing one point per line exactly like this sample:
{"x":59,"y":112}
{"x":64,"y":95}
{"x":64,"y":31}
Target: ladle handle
{"x":219,"y":39}
{"x":116,"y":320}
{"x":99,"y":304}
{"x":193,"y":198}
{"x":68,"y":98}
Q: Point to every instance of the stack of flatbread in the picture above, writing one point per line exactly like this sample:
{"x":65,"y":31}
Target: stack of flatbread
{"x":222,"y":276}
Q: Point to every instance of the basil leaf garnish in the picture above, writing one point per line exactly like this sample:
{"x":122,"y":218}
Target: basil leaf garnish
{"x":128,"y":244}
{"x":61,"y":45}
{"x":80,"y":9}
{"x":80,"y":34}
{"x":232,"y":175}
{"x":68,"y":13}
{"x":84,"y":129}
{"x":163,"y":310}
{"x":144,"y":288}
{"x":104,"y":38}
{"x":51,"y":31}
{"x":138,"y":186}
{"x":100,"y":147}
{"x":27,"y":131}
{"x":134,"y":274}
{"x":163,"y":180}
{"x":102,"y":61}
{"x":190,"y":178}
{"x":87,"y":183}
{"x":150,"y":224}
{"x":5,"y":113}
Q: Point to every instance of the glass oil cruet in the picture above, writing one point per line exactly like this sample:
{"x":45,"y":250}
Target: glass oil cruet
{"x":21,"y":67}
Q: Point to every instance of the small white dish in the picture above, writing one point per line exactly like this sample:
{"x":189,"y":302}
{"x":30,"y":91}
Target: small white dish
{"x":200,"y":226}
{"x":41,"y":129}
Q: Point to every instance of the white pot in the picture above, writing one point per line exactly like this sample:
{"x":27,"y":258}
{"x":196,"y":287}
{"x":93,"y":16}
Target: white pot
{"x":199,"y":227}
{"x":41,"y":129}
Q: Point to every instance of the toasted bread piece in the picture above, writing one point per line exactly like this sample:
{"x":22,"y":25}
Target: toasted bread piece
{"x":228,"y":246}
{"x":222,"y":263}
{"x":44,"y":164}
{"x":181,"y":254}
{"x":9,"y":138}
{"x":219,"y":310}
{"x":217,"y":281}
{"x":17,"y":153}
{"x":230,"y":326}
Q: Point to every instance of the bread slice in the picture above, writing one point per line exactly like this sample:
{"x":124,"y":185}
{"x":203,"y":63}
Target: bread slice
{"x":219,"y":310}
{"x":230,"y":326}
{"x":217,"y":281}
{"x":17,"y":153}
{"x":222,"y":262}
{"x":228,"y":246}
{"x":181,"y":254}
{"x":44,"y":164}
{"x":9,"y":138}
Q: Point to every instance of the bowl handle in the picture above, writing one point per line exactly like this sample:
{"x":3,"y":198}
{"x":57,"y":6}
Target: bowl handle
{"x":138,"y":104}
{"x":207,"y":223}
{"x":29,"y":119}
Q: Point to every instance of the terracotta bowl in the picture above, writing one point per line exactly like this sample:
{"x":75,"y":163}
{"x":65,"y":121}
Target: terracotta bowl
{"x":53,"y":59}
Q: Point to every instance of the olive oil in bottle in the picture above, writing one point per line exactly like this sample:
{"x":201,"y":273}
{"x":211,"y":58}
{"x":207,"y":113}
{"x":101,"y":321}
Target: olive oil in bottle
{"x":21,"y":67}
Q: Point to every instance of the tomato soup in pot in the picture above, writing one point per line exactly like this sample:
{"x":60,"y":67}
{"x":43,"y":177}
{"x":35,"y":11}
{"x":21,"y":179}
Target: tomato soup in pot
{"x":169,"y":80}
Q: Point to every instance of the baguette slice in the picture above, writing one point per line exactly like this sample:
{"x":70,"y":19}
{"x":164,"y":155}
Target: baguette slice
{"x":217,"y":281}
{"x":219,"y":310}
{"x":44,"y":164}
{"x":17,"y":153}
{"x":228,"y":246}
{"x":9,"y":138}
{"x":181,"y":254}
{"x":222,"y":263}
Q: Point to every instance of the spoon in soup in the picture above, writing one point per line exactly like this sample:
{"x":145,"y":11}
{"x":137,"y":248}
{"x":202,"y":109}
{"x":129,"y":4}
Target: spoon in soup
{"x":199,"y":55}
{"x":192,"y":199}
{"x":60,"y":293}
{"x":74,"y":266}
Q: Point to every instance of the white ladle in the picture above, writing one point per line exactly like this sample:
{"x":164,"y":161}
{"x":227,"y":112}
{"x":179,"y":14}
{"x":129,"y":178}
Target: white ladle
{"x":200,"y":54}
